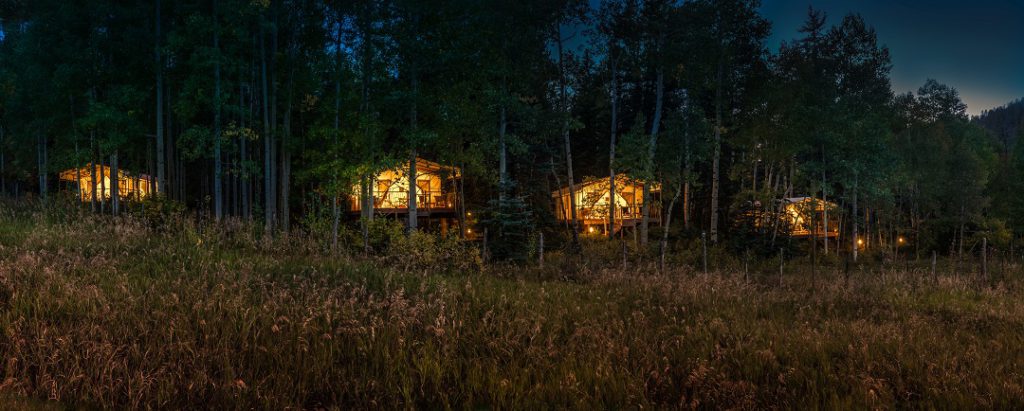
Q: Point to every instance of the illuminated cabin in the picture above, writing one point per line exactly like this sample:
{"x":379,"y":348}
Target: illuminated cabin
{"x":798,"y":214}
{"x":592,"y":204}
{"x":436,"y":199}
{"x":133,"y":187}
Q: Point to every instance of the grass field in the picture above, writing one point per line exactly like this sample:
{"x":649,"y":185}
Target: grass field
{"x":98,"y":313}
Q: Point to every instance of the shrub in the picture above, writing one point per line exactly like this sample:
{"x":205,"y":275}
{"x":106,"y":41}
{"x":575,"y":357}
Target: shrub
{"x":162,"y":213}
{"x":426,"y":251}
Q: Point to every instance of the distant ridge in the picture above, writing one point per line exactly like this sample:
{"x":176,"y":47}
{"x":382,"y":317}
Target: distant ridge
{"x":1004,"y":123}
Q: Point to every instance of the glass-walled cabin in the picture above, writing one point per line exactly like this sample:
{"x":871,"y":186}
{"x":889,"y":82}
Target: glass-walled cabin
{"x":130,"y":186}
{"x":805,"y":217}
{"x":593,"y":204}
{"x":435,"y":190}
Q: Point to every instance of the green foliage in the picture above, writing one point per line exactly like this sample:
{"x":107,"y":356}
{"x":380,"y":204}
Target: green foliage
{"x":760,"y":234}
{"x":434,"y":253}
{"x":510,"y":229}
{"x":161,"y":213}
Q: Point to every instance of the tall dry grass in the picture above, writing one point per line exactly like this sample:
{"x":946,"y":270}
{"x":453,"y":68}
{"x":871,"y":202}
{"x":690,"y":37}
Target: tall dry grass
{"x":116,"y":314}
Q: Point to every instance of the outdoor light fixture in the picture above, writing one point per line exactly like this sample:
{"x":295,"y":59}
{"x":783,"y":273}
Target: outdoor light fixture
{"x":860,"y":241}
{"x":590,"y":229}
{"x":900,"y":240}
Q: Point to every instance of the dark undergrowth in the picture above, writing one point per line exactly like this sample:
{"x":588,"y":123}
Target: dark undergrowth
{"x":115,"y":313}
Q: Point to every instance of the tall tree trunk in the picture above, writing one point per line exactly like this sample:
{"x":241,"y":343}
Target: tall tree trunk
{"x":78,"y":157}
{"x":268,"y":142}
{"x":651,"y":150}
{"x":92,"y":169}
{"x":41,"y":157}
{"x":171,"y":172}
{"x":462,"y":201}
{"x":502,"y":157}
{"x":275,"y":144}
{"x":853,"y":218}
{"x":243,"y":153}
{"x":824,"y":200}
{"x":565,"y":138}
{"x":218,"y":200}
{"x":3,"y":165}
{"x":413,"y":214}
{"x":336,"y":200}
{"x":716,"y":154}
{"x":614,"y":92}
{"x":814,"y":242}
{"x":286,"y":158}
{"x":558,"y":182}
{"x":115,"y":185}
{"x":364,"y":108}
{"x":160,"y":155}
{"x":668,"y":223}
{"x":963,"y":224}
{"x":687,"y":170}
{"x":367,"y":197}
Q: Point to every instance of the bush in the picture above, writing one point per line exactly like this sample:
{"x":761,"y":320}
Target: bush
{"x":161,"y":212}
{"x":426,"y":251}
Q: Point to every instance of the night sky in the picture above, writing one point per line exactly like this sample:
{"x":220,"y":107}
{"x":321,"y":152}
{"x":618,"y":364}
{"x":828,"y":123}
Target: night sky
{"x":975,"y":46}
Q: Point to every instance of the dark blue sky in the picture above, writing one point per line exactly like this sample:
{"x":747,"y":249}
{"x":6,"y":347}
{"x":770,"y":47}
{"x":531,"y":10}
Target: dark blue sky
{"x":976,"y":46}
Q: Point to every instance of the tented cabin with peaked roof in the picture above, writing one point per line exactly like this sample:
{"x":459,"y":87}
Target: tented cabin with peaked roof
{"x":801,"y":212}
{"x":436,"y":199}
{"x":130,"y":186}
{"x":593,"y":198}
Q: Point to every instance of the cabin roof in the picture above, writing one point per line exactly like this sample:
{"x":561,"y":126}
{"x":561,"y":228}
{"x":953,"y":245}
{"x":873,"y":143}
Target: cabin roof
{"x":424,"y":166}
{"x":620,"y":179}
{"x":72,"y":174}
{"x":794,"y":200}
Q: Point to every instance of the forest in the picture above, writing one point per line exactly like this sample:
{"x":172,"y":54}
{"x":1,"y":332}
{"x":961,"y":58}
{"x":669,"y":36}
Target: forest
{"x":280,"y":112}
{"x":471,"y":203}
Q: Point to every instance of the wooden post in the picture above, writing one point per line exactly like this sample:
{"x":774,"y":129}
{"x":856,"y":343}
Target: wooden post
{"x":704,"y":246}
{"x":984,"y":259}
{"x":540,"y":249}
{"x":484,"y":252}
{"x":935,"y":278}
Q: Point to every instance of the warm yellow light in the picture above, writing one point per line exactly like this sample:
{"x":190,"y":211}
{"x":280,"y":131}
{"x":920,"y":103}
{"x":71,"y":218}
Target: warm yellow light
{"x":860,"y":242}
{"x":469,"y":231}
{"x":469,"y":214}
{"x":590,"y":229}
{"x":900,"y":240}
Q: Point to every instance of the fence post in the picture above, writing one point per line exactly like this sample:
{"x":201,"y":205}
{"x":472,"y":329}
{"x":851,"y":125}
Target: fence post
{"x":540,"y":250}
{"x":935,"y":278}
{"x":704,"y":246}
{"x":484,"y":256}
{"x":984,"y":259}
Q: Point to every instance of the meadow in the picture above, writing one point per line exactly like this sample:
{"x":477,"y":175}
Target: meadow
{"x":98,"y":312}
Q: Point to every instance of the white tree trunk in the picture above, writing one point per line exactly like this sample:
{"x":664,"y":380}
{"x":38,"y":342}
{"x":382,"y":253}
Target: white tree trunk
{"x":614,"y":91}
{"x":218,"y":195}
{"x":652,"y":150}
{"x":160,"y":155}
{"x":716,"y":156}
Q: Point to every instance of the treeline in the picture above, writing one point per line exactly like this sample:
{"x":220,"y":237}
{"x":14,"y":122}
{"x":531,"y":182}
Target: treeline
{"x":276,"y":110}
